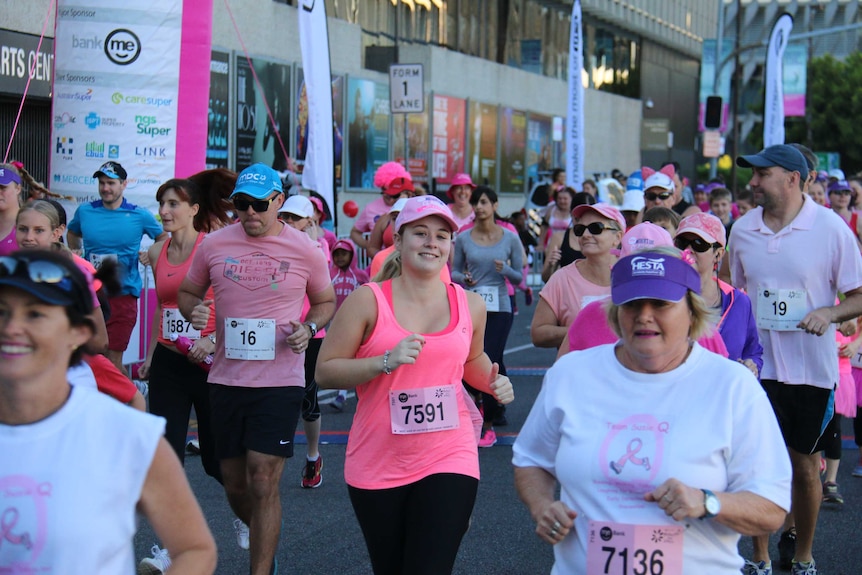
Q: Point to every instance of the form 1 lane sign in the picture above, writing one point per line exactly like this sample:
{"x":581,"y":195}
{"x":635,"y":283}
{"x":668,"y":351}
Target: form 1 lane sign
{"x":406,"y":90}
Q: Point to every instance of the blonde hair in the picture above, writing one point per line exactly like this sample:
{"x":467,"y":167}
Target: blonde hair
{"x":702,"y":317}
{"x":391,"y":268}
{"x":45,"y":208}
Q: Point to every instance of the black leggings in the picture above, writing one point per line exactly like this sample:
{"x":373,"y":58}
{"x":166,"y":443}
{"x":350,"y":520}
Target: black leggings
{"x":176,"y":385}
{"x":496,"y":333}
{"x":415,"y":529}
{"x":857,"y":427}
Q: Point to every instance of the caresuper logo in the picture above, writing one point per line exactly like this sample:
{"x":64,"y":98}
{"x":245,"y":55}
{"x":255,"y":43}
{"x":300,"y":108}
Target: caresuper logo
{"x":147,"y":126}
{"x":120,"y":98}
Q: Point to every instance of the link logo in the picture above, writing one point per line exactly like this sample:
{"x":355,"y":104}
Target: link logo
{"x":122,"y":47}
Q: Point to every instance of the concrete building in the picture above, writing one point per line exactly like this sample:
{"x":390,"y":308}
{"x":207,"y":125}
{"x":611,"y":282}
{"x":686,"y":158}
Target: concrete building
{"x":504,"y":61}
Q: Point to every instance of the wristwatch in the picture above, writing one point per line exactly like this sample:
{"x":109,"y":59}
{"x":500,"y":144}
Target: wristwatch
{"x":312,"y":327}
{"x":711,"y":504}
{"x":212,"y":338}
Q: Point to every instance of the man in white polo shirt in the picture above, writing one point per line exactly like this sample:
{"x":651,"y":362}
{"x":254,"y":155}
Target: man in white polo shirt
{"x":793,"y":257}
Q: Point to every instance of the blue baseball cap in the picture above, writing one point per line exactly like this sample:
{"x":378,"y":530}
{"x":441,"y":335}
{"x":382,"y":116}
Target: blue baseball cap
{"x":783,"y":155}
{"x":258,"y":181}
{"x":635,"y":183}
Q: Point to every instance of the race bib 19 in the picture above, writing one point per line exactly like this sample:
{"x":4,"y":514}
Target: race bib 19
{"x":781,"y":309}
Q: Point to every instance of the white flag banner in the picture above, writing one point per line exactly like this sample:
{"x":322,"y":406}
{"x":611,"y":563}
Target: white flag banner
{"x":575,"y":119}
{"x":773,"y":106}
{"x":116,"y":86}
{"x":318,"y":172}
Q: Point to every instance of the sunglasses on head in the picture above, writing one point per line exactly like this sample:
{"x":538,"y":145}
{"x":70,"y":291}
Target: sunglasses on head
{"x":39,"y":272}
{"x":653,"y":197}
{"x":697,"y":244}
{"x":260,"y":206}
{"x":595,"y":228}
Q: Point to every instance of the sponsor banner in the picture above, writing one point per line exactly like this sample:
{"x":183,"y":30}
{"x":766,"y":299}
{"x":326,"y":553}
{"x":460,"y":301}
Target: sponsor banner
{"x":447,"y":144}
{"x":368,"y":130}
{"x":483,"y":144}
{"x":773,"y":106}
{"x":795,"y":79}
{"x":317,"y":174}
{"x":256,"y":139}
{"x":707,"y":78}
{"x":19,"y":57}
{"x":193,"y":87}
{"x":575,"y":122}
{"x":417,"y":141}
{"x":217,"y":117}
{"x":301,"y":148}
{"x":115,"y":95}
{"x":539,"y":147}
{"x":513,"y":145}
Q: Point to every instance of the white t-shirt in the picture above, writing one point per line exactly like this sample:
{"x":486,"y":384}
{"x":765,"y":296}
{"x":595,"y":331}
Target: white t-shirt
{"x":81,"y":375}
{"x":816,"y":254}
{"x":609,"y":435}
{"x":69,"y":485}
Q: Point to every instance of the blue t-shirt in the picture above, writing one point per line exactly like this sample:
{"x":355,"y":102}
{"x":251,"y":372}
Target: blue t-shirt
{"x":116,"y":233}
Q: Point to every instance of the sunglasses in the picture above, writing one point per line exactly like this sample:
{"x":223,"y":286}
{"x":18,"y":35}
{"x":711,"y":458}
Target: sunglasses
{"x":842,"y":192}
{"x":260,"y":206}
{"x":39,"y":272}
{"x":697,"y":244}
{"x":595,"y":228}
{"x":650,"y":196}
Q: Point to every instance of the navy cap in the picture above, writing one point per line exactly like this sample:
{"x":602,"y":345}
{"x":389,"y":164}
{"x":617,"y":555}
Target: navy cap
{"x":112,"y":170}
{"x":783,"y":155}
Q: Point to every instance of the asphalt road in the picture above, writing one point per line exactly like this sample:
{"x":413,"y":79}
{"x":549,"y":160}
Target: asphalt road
{"x":321,"y":535}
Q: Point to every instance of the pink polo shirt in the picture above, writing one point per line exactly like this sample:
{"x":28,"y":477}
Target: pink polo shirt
{"x":567,"y":292}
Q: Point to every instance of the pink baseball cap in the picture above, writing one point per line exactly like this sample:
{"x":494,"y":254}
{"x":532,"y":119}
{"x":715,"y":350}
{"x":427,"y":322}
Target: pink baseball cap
{"x":605,"y":210}
{"x":705,"y":226}
{"x":644,"y":236}
{"x":460,"y":180}
{"x":319,"y":205}
{"x":422,"y":207}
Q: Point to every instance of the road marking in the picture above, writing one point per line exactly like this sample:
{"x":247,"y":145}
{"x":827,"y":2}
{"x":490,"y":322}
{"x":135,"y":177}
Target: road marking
{"x":519,"y":348}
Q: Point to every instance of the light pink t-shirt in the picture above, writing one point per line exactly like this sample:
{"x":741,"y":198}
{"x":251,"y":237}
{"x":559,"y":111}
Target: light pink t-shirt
{"x":591,"y":329}
{"x":817,"y":253}
{"x":567,"y":292}
{"x":259,"y":278}
{"x":378,"y":459}
{"x":366,"y":220}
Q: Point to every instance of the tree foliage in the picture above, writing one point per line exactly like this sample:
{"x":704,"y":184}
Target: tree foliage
{"x":833,"y":103}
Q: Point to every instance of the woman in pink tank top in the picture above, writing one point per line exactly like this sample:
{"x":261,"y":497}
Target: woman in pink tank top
{"x":406,"y":344}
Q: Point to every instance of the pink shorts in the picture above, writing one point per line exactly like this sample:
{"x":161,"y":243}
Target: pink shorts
{"x":845,"y":395}
{"x":124,"y":315}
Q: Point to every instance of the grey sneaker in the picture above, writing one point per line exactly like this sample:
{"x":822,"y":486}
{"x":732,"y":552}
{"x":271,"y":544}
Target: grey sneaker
{"x":800,"y":568}
{"x":157,"y":564}
{"x":752,"y":568}
{"x":241,"y":533}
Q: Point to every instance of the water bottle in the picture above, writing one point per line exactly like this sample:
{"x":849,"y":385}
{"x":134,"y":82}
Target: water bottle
{"x":184,"y":344}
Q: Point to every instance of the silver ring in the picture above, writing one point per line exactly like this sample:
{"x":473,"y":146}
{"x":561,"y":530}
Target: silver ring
{"x":553,"y":533}
{"x":557,"y":526}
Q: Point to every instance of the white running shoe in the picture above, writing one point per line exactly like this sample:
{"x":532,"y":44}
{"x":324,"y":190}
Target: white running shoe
{"x":241,"y":533}
{"x":157,"y":564}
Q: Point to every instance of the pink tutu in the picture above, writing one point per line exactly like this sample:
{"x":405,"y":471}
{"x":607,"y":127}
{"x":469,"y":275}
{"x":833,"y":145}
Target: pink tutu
{"x":845,"y":395}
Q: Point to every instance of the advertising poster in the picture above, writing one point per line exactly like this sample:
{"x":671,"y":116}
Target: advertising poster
{"x":795,"y":79}
{"x":483,"y":143}
{"x":513,"y":143}
{"x":116,"y":87}
{"x":417,"y":138}
{"x":449,"y":116}
{"x":539,"y":147}
{"x":367,"y":130}
{"x":301,"y":119}
{"x":217,"y":123}
{"x":707,"y":78}
{"x":257,"y":139}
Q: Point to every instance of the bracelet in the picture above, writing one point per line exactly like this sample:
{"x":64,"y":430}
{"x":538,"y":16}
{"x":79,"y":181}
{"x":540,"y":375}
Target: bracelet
{"x":212,"y":338}
{"x":386,"y":369}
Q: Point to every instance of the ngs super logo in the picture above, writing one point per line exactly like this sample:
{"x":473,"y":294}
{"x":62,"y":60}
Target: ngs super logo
{"x":147,"y":126}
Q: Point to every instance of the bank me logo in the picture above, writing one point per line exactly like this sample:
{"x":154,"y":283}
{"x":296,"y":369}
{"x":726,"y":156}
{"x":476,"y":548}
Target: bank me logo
{"x":92,"y":120}
{"x":86,"y":43}
{"x":122,"y":47}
